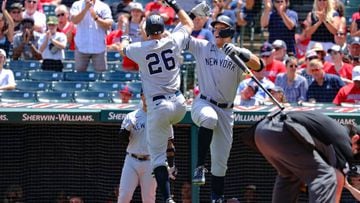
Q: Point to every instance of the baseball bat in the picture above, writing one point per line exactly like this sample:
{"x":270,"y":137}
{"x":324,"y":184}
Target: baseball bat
{"x":242,"y":65}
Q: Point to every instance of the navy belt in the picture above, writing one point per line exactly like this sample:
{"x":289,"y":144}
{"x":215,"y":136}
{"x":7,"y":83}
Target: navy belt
{"x":220,"y":105}
{"x":177,"y":93}
{"x":138,"y":157}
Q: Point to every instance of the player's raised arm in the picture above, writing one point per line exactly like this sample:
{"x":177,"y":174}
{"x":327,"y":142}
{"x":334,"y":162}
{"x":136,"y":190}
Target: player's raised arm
{"x":250,"y":59}
{"x":183,"y":16}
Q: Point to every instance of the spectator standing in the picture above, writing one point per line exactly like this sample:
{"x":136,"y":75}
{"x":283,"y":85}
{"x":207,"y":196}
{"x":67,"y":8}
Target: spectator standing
{"x":294,"y":85}
{"x":220,"y":8}
{"x":339,"y":67}
{"x":16,"y":14}
{"x":322,"y":23}
{"x":38,"y":17}
{"x":65,"y":26}
{"x":6,"y":28}
{"x":7,"y":80}
{"x":350,"y":93}
{"x":272,"y":66}
{"x":93,"y":19}
{"x":51,"y":45}
{"x":355,"y":24}
{"x":325,"y":86}
{"x":280,"y":21}
{"x":157,"y":7}
{"x":26,"y":42}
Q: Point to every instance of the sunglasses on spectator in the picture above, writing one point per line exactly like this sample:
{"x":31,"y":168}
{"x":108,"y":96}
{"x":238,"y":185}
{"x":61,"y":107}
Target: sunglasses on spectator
{"x":340,"y":34}
{"x":277,"y":48}
{"x":60,"y":14}
{"x":265,"y":56}
{"x":29,"y":1}
{"x":279,"y":2}
{"x":355,"y":59}
{"x":315,"y":70}
{"x":292,"y":66}
{"x":333,"y":52}
{"x":321,"y":0}
{"x":15,"y":12}
{"x":311,"y":58}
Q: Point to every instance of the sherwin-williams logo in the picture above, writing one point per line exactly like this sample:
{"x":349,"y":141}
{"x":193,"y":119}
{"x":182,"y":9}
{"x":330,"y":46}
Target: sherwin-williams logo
{"x":58,"y":117}
{"x":3,"y":117}
{"x":116,"y":116}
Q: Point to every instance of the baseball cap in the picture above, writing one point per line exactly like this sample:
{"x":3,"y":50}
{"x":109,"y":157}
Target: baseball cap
{"x":355,"y":40}
{"x":318,"y":47}
{"x":266,"y":49}
{"x":52,"y":20}
{"x":310,"y":54}
{"x":279,"y":44}
{"x":16,"y":6}
{"x":250,"y":187}
{"x":276,"y":89}
{"x":254,"y":86}
{"x":2,"y":52}
{"x":136,"y":5}
{"x":335,"y":47}
{"x":356,"y":73}
{"x":126,"y":90}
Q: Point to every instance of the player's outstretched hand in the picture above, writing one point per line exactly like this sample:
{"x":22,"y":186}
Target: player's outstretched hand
{"x":172,"y":172}
{"x":230,"y":49}
{"x":170,"y":3}
{"x":201,"y":10}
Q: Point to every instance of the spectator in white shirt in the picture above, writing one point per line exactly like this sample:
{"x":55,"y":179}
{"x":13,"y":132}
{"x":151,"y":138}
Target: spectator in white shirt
{"x":7,"y":80}
{"x":32,"y":12}
{"x":52,"y":45}
{"x":93,"y":19}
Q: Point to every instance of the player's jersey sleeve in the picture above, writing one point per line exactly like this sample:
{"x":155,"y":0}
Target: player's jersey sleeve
{"x":195,"y":46}
{"x":180,"y":37}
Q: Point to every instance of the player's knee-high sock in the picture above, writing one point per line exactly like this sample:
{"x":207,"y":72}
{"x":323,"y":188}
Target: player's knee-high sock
{"x":204,"y":140}
{"x":162,"y":179}
{"x":217,"y":186}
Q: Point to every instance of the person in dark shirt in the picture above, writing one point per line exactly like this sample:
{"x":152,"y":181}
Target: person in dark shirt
{"x":306,"y":147}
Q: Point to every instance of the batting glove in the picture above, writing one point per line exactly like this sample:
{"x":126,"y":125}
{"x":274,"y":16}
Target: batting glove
{"x":201,"y":10}
{"x":172,"y":172}
{"x":243,"y":53}
{"x":173,"y":4}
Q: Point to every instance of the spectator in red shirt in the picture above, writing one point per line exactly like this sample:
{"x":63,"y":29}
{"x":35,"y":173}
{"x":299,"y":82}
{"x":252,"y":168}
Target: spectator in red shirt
{"x":65,"y":26}
{"x":272,"y":67}
{"x":350,"y":93}
{"x":157,"y":7}
{"x":355,"y":24}
{"x":344,"y":70}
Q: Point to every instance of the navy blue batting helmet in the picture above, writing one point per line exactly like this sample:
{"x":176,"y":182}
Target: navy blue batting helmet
{"x":229,"y":31}
{"x":154,"y":25}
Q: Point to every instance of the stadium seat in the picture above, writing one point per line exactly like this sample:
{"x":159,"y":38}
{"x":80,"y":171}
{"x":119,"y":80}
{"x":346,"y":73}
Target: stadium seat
{"x":106,"y":86}
{"x":46,"y":75}
{"x":135,"y":86}
{"x":187,"y":57}
{"x":24,"y":65}
{"x":69,"y":86}
{"x":18,"y":96}
{"x":69,"y":55}
{"x":119,"y":76}
{"x":49,"y":10}
{"x":92,"y":97}
{"x":20,"y":75}
{"x":81,"y":76}
{"x":349,"y":10}
{"x":116,"y":98}
{"x":113,"y":56}
{"x":56,"y":97}
{"x":69,"y":66}
{"x":33,"y":85}
{"x":114,"y":66}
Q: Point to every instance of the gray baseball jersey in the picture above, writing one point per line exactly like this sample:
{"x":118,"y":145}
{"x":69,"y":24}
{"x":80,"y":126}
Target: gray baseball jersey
{"x":160,"y":71}
{"x":134,"y":122}
{"x":217,"y":74}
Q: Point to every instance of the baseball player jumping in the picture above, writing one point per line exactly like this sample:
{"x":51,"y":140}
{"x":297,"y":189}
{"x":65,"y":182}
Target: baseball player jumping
{"x":218,"y":78}
{"x":137,"y":169}
{"x":159,"y":64}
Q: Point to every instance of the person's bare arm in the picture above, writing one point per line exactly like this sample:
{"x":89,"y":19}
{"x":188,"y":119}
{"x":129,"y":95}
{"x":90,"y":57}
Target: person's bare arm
{"x":103,"y":23}
{"x":264,"y":20}
{"x":10,"y":22}
{"x":76,"y":19}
